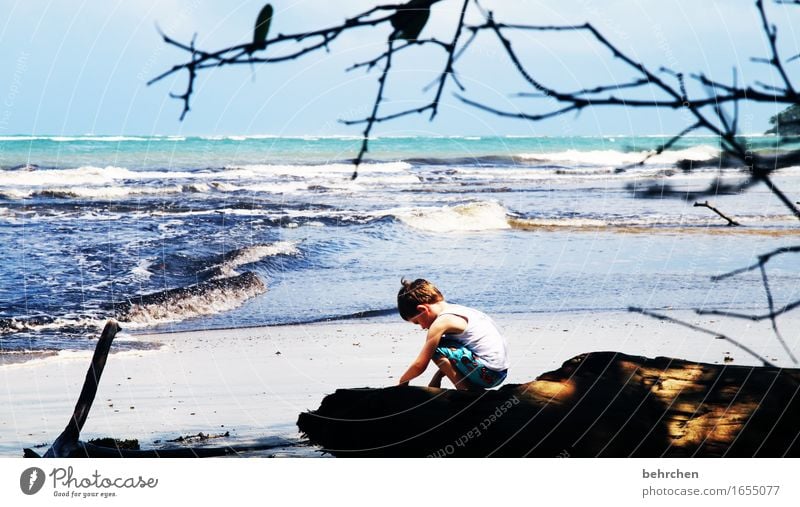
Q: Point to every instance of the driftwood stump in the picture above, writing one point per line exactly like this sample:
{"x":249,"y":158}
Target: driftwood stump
{"x":66,"y":445}
{"x":600,"y":404}
{"x":69,"y":445}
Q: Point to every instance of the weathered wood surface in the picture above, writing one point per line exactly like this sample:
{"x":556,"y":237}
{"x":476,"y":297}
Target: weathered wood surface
{"x":600,"y":404}
{"x":67,"y":441}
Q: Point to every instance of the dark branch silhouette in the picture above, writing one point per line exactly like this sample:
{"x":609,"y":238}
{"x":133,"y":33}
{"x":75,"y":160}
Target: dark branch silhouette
{"x":762,"y":260}
{"x":731,"y":222}
{"x":773,"y":313}
{"x":707,"y":112}
{"x":693,"y":327}
{"x":433,"y":106}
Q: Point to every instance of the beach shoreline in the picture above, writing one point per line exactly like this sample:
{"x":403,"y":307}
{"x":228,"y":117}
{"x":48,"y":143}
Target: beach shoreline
{"x":253,"y":382}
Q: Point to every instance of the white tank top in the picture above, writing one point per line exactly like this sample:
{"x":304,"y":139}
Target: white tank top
{"x":481,"y":336}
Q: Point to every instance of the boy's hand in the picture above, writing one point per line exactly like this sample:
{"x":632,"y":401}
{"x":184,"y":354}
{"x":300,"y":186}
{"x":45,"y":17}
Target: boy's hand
{"x":443,"y":324}
{"x":403,"y":384}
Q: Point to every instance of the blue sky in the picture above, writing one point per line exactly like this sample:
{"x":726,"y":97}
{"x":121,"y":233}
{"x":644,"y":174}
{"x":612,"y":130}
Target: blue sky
{"x":72,"y":67}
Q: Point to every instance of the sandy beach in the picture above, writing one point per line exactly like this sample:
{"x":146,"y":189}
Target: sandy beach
{"x":207,"y":232}
{"x":253,"y":382}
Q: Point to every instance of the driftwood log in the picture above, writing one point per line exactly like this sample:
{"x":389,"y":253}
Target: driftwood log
{"x":67,"y":445}
{"x":600,"y":404}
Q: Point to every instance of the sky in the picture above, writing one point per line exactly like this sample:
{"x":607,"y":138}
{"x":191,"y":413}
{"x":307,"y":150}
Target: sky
{"x":81,"y":67}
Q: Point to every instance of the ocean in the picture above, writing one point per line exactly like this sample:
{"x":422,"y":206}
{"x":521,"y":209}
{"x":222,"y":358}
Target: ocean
{"x":172,"y":233}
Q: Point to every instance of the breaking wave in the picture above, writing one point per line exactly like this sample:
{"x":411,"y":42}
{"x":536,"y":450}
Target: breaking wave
{"x":617,"y":158}
{"x":120,"y":182}
{"x":477,"y":216}
{"x":206,"y":298}
{"x":46,"y":323}
{"x":250,"y":255}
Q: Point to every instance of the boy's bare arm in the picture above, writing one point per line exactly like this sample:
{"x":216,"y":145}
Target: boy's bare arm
{"x":420,"y":364}
{"x":444,"y":324}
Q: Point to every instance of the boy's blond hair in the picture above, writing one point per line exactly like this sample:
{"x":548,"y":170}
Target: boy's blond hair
{"x":413,"y":294}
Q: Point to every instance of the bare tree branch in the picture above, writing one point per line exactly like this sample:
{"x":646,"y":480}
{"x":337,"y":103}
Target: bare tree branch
{"x":719,"y":94}
{"x":448,"y":69}
{"x":592,"y":91}
{"x":711,"y":332}
{"x":773,"y":314}
{"x":433,"y":106}
{"x":762,"y":259}
{"x":731,"y":222}
{"x":772,"y":36}
{"x":373,"y":116}
{"x":726,"y":129}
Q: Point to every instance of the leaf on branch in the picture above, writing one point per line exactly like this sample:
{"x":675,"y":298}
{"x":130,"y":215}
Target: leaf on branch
{"x":262,"y":27}
{"x":409,"y":20}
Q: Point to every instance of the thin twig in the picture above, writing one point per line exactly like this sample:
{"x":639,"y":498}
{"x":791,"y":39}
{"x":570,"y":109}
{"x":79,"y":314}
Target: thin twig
{"x":731,"y":222}
{"x":448,"y":68}
{"x":702,"y":330}
{"x":762,"y":259}
{"x":772,"y":35}
{"x":373,"y":116}
{"x":773,"y":315}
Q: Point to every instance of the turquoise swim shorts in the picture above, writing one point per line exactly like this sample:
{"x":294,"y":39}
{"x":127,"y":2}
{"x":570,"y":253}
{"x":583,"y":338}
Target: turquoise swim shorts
{"x":471,"y":366}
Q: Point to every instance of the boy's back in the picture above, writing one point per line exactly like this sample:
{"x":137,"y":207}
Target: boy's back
{"x":481,"y":336}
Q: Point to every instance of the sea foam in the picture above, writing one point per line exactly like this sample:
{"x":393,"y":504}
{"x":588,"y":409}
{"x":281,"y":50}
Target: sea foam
{"x":206,"y":298}
{"x":476,"y":216}
{"x":614,"y":157}
{"x":250,"y":255}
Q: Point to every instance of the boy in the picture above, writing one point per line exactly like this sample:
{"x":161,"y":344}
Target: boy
{"x":464,"y":343}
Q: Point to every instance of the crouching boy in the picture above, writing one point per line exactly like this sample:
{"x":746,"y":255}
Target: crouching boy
{"x":464,"y":343}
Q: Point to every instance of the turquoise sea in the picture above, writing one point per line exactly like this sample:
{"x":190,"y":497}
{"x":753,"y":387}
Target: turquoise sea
{"x":169,"y":232}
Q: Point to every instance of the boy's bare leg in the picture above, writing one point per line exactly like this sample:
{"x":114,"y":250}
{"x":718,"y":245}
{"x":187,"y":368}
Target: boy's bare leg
{"x":453,"y":375}
{"x":436,"y":381}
